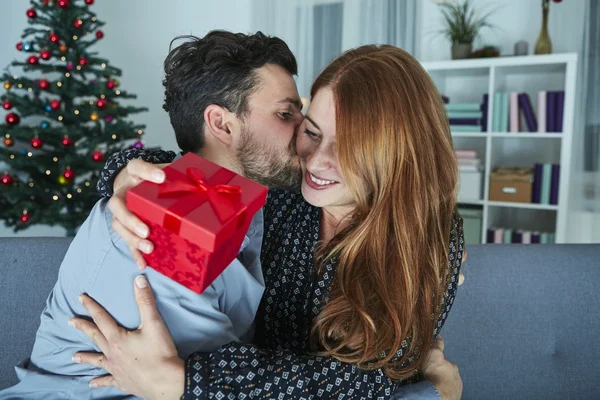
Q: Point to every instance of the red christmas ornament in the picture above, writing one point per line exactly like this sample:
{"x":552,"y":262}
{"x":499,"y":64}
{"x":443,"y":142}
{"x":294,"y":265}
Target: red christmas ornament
{"x":99,"y":34}
{"x":44,"y":84}
{"x":7,"y":105}
{"x":12,"y":119}
{"x":45,"y":54}
{"x":110,"y":85}
{"x":69,"y":174}
{"x":33,"y":60}
{"x":7,"y":179}
{"x":101,"y":103}
{"x":83,"y":61}
{"x":20,"y":46}
{"x":37,"y":143}
{"x":89,"y":2}
{"x":63,"y":3}
{"x":77,"y":23}
{"x":54,"y":38}
{"x":24,"y":217}
{"x":67,"y":141}
{"x":8,"y":141}
{"x":55,"y":104}
{"x":98,"y":156}
{"x":31,"y":13}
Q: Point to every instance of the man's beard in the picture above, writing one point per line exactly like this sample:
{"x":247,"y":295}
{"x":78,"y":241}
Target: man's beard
{"x":267,"y":166}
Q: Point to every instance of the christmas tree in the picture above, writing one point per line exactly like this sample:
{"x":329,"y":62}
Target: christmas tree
{"x":61,"y":120}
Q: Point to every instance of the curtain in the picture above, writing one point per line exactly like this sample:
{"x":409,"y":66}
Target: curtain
{"x":319,"y":30}
{"x":584,"y":213}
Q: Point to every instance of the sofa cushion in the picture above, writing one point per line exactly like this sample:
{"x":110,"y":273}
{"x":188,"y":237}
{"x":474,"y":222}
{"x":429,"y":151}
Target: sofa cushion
{"x":28,"y":272}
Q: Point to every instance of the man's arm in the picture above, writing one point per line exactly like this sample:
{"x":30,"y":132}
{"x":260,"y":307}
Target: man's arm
{"x":119,"y":160}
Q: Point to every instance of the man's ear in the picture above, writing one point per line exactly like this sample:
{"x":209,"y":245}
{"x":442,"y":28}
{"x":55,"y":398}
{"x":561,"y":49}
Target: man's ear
{"x":218,"y":123}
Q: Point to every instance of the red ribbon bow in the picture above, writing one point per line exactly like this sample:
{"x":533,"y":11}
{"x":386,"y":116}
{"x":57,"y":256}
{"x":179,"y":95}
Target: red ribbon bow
{"x":222,"y":198}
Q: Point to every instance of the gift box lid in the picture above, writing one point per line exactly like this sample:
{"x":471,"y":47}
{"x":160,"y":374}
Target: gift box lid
{"x":200,"y":222}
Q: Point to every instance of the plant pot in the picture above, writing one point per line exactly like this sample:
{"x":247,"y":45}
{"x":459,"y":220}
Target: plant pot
{"x":461,"y":50}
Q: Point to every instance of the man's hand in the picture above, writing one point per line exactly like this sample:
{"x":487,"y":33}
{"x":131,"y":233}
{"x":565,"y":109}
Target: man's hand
{"x":125,"y":223}
{"x":442,"y":373}
{"x":461,"y":276}
{"x":143,"y":362}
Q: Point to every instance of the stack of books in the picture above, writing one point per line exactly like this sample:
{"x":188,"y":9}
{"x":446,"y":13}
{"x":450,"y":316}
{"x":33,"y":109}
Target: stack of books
{"x":514,"y":112}
{"x":468,"y":161}
{"x":465,"y":117}
{"x":503,"y":235}
{"x":469,"y":166}
{"x":545,"y":183}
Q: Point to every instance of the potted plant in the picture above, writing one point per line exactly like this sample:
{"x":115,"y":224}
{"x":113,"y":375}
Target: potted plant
{"x":462,"y":26}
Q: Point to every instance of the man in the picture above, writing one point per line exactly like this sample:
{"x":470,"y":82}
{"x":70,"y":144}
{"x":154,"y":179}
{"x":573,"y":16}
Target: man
{"x":231,"y":99}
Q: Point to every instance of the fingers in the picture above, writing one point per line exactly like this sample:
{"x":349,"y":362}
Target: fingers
{"x":129,"y":220}
{"x":464,"y":256}
{"x":94,"y":359}
{"x":104,"y":381}
{"x":145,"y":301}
{"x":461,"y":278}
{"x":135,"y":243}
{"x":90,"y":330}
{"x":104,"y":322}
{"x":144,"y":171}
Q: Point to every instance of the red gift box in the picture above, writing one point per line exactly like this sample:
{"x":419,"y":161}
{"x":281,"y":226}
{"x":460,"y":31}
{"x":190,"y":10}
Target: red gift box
{"x":198,"y":219}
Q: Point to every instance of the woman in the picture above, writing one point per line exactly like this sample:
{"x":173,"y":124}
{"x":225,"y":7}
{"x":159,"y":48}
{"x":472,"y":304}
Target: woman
{"x":377,"y":216}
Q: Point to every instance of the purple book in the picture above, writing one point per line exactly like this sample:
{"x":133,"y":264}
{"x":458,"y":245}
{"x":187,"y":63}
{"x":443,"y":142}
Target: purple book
{"x":464,"y":121}
{"x":536,"y":196}
{"x":551,"y":111}
{"x":490,"y":235}
{"x":484,"y":110}
{"x":517,"y":237}
{"x":525,"y":106}
{"x":554,"y":184}
{"x":560,"y":106}
{"x":535,"y":237}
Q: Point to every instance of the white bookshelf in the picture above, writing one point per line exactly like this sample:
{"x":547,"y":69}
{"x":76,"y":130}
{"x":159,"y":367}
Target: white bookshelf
{"x":467,"y":81}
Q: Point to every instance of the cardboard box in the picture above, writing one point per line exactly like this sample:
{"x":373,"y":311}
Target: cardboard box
{"x":198,"y":219}
{"x":511,"y":185}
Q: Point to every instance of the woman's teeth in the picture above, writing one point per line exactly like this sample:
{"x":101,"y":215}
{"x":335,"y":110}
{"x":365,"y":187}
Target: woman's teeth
{"x":320,"y":181}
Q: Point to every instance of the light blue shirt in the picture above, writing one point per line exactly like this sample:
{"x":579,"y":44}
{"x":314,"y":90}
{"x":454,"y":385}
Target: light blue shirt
{"x":99,"y":263}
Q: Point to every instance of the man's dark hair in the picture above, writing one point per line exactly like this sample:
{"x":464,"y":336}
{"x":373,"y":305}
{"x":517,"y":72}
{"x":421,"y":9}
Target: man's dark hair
{"x":219,"y":68}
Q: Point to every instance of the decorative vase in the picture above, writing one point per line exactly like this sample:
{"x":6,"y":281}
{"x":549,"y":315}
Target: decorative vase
{"x":543,"y":45}
{"x":461,"y":50}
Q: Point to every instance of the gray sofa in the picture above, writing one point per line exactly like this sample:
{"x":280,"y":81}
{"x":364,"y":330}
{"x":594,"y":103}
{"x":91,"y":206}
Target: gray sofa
{"x":525,"y":324}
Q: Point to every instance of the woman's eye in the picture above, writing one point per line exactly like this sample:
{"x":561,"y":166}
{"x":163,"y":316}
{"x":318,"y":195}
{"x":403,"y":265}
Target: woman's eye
{"x":311,"y":134}
{"x":285,"y":115}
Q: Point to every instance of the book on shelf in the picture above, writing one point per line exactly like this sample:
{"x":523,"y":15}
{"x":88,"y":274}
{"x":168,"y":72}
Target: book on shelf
{"x":498,"y":235}
{"x":514,"y":112}
{"x":510,"y":108}
{"x":546,"y":183}
{"x":527,"y":111}
{"x":484,"y":111}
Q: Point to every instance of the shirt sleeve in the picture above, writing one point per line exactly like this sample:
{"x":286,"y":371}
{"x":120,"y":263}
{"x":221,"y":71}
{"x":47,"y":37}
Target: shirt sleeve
{"x":119,"y":160}
{"x":240,"y":371}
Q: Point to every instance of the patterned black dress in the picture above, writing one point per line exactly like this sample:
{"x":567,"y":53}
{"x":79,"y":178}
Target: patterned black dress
{"x":278,"y":364}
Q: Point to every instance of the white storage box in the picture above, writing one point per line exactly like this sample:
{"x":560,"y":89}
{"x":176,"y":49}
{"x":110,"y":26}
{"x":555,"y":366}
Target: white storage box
{"x":470,"y":185}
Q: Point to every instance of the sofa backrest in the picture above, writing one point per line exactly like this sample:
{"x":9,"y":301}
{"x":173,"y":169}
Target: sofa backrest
{"x":525,"y":324}
{"x":28,"y":272}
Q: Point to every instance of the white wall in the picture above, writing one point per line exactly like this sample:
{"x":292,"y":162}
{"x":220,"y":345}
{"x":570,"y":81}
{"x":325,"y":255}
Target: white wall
{"x":515,"y":20}
{"x":137,"y":37}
